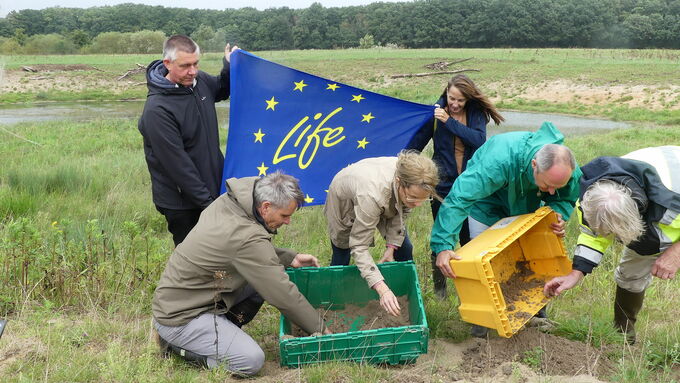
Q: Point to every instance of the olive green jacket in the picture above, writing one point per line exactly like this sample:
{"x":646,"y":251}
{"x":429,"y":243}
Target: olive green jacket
{"x":362,"y":198}
{"x":226,"y":250}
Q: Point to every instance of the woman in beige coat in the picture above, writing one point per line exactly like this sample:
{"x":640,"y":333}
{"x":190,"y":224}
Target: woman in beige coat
{"x":377,"y":193}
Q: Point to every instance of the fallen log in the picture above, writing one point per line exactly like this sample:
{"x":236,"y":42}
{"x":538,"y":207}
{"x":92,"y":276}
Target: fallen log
{"x":441,"y":65}
{"x":140,"y":68}
{"x":433,"y":73}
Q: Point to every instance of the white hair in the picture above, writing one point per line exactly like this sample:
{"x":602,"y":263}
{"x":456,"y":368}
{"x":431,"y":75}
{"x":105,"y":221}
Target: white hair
{"x":279,"y":189}
{"x":552,"y":154}
{"x":609,"y":208}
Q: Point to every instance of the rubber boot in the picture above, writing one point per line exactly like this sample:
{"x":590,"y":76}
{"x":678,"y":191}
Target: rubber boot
{"x":438,"y":279}
{"x":626,"y":307}
{"x":542,"y":313}
{"x":479,"y":331}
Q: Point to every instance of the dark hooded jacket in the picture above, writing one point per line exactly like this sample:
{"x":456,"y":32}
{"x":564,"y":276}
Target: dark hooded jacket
{"x":656,"y":205}
{"x":181,"y":138}
{"x":444,"y":135}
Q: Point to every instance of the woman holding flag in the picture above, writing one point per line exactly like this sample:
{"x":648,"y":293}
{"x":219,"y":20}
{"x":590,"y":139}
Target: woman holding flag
{"x":457,"y":129}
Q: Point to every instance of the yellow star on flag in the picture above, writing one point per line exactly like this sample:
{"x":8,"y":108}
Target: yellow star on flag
{"x":271,"y":103}
{"x":299,"y":85}
{"x":258,"y":135}
{"x":362,"y":143}
{"x":367,"y":117}
{"x":308,"y":199}
{"x":262,"y":169}
{"x":357,"y":98}
{"x":333,"y":87}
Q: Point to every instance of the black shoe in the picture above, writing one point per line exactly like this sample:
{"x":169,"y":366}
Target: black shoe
{"x":3,"y":324}
{"x":542,"y":313}
{"x":438,"y":280}
{"x":193,"y":358}
{"x":479,"y":331}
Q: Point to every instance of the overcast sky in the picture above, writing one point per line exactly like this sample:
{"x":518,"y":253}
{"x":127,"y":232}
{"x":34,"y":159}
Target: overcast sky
{"x":14,"y":5}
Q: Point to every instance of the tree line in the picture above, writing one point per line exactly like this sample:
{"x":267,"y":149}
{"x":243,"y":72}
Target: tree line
{"x":416,"y":24}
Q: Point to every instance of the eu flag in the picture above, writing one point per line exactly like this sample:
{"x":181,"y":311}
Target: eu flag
{"x":308,"y":126}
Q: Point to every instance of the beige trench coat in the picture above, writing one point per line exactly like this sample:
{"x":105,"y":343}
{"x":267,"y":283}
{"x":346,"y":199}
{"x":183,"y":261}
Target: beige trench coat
{"x":363,"y":197}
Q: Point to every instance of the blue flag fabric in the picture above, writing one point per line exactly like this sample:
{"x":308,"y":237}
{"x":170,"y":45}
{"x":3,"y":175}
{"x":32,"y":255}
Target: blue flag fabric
{"x":308,"y":126}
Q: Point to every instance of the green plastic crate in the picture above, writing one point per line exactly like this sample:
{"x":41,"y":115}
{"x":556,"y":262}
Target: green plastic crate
{"x":340,"y":285}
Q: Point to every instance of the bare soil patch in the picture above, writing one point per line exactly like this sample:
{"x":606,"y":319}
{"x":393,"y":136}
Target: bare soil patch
{"x":654,"y":97}
{"x":361,"y":318}
{"x":547,"y":353}
{"x":61,"y":67}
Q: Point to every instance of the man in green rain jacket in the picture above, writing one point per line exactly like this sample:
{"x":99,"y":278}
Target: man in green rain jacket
{"x":511,"y":174}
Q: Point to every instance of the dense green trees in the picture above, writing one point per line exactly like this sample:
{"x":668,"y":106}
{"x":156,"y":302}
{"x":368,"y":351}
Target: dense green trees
{"x":416,"y":24}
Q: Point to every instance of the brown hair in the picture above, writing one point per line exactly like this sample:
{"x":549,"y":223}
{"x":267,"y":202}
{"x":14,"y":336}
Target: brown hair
{"x":472,"y":93}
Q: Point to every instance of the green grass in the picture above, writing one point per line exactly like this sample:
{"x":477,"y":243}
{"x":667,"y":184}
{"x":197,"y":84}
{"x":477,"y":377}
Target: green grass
{"x":82,"y":247}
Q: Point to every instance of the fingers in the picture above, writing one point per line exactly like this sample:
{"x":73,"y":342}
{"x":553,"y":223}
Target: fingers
{"x":389,"y":302}
{"x":315,"y":261}
{"x":550,"y":288}
{"x":661,"y":272}
{"x":442,"y":262}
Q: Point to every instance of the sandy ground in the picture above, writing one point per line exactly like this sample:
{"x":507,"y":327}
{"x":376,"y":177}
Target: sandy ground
{"x":73,"y":78}
{"x":565,"y":91}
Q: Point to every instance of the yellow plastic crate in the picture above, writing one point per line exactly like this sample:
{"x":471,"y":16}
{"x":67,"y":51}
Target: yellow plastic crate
{"x":522,"y":245}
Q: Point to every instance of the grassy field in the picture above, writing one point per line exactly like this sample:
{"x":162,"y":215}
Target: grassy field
{"x":629,"y":85}
{"x":82,"y":247}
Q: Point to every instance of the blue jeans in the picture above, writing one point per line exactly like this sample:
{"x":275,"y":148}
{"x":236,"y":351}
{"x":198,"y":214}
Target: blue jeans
{"x":341,"y":256}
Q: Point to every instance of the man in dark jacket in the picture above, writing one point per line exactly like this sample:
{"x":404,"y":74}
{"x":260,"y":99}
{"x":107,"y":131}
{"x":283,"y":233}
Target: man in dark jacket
{"x":634,"y":200}
{"x":181,"y":139}
{"x":216,"y":280}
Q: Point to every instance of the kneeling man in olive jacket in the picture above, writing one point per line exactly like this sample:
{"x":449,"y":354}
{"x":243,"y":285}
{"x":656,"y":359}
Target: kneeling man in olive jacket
{"x":217,"y":278}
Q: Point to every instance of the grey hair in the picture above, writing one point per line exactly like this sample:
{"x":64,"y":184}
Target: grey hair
{"x":279,"y":189}
{"x":609,"y":208}
{"x":551,"y":154}
{"x":179,"y":43}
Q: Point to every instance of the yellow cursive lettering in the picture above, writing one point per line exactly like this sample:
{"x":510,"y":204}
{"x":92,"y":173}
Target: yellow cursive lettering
{"x":331,"y":137}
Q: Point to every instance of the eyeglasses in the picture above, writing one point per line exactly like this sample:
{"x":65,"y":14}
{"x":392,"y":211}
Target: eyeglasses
{"x":410,"y":199}
{"x":417,"y":200}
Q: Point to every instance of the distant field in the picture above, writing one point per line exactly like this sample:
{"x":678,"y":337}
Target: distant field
{"x":634,"y":85}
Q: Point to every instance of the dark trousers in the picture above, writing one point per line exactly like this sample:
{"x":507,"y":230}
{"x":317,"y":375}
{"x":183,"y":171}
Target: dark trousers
{"x":341,"y":256}
{"x":464,"y":235}
{"x":180,"y":222}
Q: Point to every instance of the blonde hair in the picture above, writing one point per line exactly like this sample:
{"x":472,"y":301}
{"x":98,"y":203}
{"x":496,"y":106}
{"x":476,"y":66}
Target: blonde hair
{"x":609,"y":208}
{"x":414,"y":169}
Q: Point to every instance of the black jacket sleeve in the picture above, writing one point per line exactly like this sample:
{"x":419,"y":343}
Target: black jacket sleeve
{"x":162,"y":131}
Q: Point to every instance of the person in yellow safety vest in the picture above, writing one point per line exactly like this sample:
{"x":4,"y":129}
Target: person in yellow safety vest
{"x":635,"y":200}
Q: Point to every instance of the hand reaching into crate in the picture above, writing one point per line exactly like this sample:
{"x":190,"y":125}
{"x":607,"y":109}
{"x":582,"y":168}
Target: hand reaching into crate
{"x":304,"y":260}
{"x":388,"y":300}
